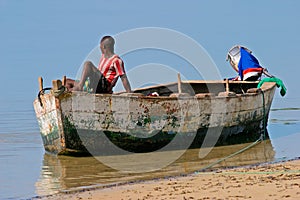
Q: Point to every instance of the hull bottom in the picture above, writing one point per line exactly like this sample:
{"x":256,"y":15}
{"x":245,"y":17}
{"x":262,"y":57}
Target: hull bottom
{"x":89,"y":142}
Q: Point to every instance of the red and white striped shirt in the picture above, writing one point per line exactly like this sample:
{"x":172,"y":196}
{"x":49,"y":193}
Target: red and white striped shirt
{"x":111,"y":68}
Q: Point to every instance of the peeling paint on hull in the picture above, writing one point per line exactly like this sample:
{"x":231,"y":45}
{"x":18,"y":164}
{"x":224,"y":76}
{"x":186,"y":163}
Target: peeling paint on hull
{"x":79,"y":122}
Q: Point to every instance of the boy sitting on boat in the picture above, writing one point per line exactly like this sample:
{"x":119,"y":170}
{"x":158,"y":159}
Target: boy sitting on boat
{"x":103,"y":78}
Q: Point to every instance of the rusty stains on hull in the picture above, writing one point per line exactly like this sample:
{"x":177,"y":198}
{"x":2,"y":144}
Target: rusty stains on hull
{"x":139,"y":121}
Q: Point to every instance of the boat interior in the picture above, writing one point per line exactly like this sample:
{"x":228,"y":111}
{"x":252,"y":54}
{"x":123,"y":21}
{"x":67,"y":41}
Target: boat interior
{"x":208,"y":88}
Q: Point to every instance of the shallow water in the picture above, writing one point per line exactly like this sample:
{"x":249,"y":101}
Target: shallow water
{"x":64,"y":173}
{"x":26,"y":171}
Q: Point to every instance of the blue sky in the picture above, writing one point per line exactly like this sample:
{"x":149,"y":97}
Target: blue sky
{"x":52,"y":38}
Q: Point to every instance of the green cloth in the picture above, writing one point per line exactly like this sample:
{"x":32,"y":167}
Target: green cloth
{"x":278,"y":82}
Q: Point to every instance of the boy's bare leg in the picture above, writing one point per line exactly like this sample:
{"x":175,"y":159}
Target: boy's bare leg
{"x":88,"y":70}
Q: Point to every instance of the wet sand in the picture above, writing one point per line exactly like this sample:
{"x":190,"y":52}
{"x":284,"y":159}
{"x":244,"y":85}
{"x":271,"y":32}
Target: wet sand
{"x":268,"y":181}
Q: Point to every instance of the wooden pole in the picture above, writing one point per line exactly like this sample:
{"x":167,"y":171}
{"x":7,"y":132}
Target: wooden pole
{"x":64,"y":80}
{"x":56,"y":84}
{"x":179,"y":83}
{"x":227,"y":85}
{"x":40,"y":83}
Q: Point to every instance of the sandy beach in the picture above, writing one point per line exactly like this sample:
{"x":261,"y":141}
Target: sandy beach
{"x":267,"y":181}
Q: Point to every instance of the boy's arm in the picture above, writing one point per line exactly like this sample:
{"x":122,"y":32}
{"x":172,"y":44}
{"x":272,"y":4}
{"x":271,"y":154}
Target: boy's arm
{"x":126,"y":83}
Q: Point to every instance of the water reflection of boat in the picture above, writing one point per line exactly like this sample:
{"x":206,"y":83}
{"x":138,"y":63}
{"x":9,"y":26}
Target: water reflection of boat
{"x":82,"y":122}
{"x":61,"y":173}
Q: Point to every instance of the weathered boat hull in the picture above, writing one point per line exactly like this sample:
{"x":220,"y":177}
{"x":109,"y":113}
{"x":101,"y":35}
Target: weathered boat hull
{"x":105,"y":124}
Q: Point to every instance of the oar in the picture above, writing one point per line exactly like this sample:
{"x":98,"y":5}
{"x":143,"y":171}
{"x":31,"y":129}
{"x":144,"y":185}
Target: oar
{"x":265,"y":71}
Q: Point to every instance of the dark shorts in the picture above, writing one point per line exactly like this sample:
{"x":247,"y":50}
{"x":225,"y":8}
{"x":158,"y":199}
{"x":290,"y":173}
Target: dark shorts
{"x":100,"y":84}
{"x":103,"y":85}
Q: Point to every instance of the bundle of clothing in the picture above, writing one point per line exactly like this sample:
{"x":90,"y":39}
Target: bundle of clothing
{"x":249,"y":69}
{"x":244,"y":63}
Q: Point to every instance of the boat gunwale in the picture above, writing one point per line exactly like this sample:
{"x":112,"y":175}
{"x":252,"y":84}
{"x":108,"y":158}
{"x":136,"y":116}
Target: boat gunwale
{"x":265,"y":87}
{"x":195,"y":82}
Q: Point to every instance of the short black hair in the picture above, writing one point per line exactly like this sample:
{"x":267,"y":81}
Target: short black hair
{"x":110,"y":40}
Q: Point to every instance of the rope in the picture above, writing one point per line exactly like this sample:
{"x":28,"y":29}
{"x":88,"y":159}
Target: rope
{"x":42,"y":92}
{"x":59,"y":91}
{"x":261,"y":138}
{"x":56,"y":93}
{"x":231,"y":155}
{"x":264,"y":116}
{"x":259,"y":172}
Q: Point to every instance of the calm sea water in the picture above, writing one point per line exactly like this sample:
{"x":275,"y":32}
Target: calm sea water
{"x":26,"y":171}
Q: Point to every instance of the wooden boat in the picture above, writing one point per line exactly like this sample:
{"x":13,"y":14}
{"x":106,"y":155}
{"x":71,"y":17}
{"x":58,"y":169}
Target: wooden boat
{"x":186,"y":114}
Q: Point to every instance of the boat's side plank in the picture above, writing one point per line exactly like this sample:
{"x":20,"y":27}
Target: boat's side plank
{"x":120,"y":113}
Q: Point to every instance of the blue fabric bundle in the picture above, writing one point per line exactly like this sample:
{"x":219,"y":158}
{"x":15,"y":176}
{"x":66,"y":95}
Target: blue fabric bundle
{"x":247,"y":61}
